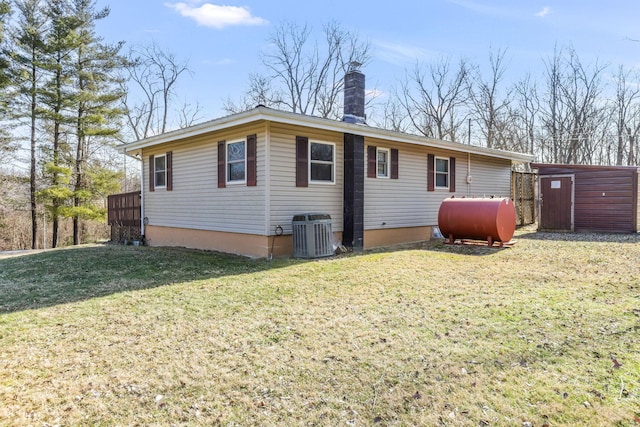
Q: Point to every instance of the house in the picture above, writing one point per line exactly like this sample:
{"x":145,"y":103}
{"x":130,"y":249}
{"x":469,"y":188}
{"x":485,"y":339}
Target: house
{"x":234,"y":184}
{"x":588,"y":198}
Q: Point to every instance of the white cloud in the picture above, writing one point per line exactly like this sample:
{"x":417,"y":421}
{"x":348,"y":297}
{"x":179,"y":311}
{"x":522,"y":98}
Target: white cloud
{"x":544,"y":12}
{"x":482,"y":8}
{"x":212,"y":15}
{"x":373,"y":93}
{"x":400,"y":54}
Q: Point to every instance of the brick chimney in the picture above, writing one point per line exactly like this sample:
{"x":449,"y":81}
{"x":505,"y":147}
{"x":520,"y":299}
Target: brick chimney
{"x":354,"y":95}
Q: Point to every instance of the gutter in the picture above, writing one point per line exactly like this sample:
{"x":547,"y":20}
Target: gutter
{"x":284,"y":117}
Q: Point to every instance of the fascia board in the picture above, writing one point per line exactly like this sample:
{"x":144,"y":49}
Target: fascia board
{"x":283,"y":117}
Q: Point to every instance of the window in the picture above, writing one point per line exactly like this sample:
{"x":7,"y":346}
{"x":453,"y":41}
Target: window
{"x":442,"y":172}
{"x":160,"y":171}
{"x":236,"y":162}
{"x":383,"y":162}
{"x":322,"y":162}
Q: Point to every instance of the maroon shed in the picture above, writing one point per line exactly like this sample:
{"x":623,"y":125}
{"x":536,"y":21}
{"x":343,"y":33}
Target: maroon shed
{"x":588,"y":198}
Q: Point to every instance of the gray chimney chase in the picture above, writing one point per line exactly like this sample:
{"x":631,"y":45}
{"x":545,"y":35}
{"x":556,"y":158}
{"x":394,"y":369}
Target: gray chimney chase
{"x":354,"y":97}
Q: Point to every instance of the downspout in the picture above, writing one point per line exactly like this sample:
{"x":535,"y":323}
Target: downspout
{"x":142,"y":187}
{"x":468,"y":174}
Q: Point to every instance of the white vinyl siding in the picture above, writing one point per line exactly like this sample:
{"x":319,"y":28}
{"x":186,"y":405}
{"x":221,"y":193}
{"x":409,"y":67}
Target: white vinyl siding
{"x":405,"y":202}
{"x":196,"y":202}
{"x":489,"y":177}
{"x":287,"y":200}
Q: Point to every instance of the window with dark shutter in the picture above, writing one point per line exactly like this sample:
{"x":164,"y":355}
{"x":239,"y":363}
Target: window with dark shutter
{"x":371,"y":161}
{"x":431,"y":159}
{"x":152,"y":174}
{"x":252,"y":161}
{"x":169,"y":170}
{"x":452,"y":174}
{"x":302,"y":161}
{"x":394,"y":163}
{"x":222,"y":165}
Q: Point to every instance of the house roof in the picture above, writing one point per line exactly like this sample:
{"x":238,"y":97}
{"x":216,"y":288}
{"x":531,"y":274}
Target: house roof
{"x":268,"y":114}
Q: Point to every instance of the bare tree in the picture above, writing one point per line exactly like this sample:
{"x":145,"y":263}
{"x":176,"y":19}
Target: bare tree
{"x":434,"y":99}
{"x":189,"y":114}
{"x":625,"y":114}
{"x":393,"y":116}
{"x":260,"y":92}
{"x":574,"y":119}
{"x":553,"y":115}
{"x":582,"y":91}
{"x":526,"y":107}
{"x":487,"y":104}
{"x":302,"y":76}
{"x":151,"y":78}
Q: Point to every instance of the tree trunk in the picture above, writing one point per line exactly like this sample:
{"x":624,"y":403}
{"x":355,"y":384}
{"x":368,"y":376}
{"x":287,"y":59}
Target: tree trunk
{"x":78,"y":187}
{"x":32,"y":182}
{"x":55,"y":181}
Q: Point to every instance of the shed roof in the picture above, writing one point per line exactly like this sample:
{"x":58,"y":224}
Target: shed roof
{"x":262,"y":113}
{"x":555,"y":166}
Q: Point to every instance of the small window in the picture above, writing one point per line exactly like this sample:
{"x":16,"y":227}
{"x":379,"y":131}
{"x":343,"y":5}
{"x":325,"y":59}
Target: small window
{"x":322,"y":162}
{"x":383,"y":162}
{"x":236,"y":162}
{"x":160,"y":171}
{"x":442,"y":172}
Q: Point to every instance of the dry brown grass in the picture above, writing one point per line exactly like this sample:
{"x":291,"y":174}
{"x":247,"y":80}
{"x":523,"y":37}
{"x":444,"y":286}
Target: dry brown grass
{"x":544,"y":333}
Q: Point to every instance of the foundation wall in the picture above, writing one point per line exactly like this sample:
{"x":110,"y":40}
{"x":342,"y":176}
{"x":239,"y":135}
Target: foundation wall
{"x":256,"y":246}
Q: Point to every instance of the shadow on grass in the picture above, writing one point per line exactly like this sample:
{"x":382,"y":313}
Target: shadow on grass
{"x":441,"y":245}
{"x":61,"y":276}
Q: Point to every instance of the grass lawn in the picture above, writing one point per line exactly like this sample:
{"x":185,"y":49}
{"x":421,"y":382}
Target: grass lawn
{"x":544,"y":333}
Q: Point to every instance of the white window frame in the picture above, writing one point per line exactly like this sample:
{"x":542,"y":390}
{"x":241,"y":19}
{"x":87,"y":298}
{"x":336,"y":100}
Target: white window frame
{"x":436,"y":173}
{"x":156,"y":171}
{"x":332,"y":163}
{"x":228,"y":163}
{"x":388,"y":163}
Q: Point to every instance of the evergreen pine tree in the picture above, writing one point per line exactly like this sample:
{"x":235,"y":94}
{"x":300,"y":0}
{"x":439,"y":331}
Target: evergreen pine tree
{"x":57,"y":99}
{"x":27,"y":50}
{"x":97,"y":111}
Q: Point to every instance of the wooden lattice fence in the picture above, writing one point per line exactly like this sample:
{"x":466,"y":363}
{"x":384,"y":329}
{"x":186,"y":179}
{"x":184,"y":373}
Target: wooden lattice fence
{"x":523,"y":193}
{"x":124,"y":216}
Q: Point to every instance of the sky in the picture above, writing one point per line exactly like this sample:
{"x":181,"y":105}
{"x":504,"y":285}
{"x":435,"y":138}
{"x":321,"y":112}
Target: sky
{"x":222,"y":40}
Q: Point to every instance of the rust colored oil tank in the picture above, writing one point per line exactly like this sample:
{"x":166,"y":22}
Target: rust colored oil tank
{"x":489,"y":219}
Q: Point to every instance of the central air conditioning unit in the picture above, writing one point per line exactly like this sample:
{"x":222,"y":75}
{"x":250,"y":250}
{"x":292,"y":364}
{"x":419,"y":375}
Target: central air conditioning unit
{"x":312,"y":235}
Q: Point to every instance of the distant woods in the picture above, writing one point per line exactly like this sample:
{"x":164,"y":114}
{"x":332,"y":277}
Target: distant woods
{"x":67,"y":98}
{"x":572,"y":112}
